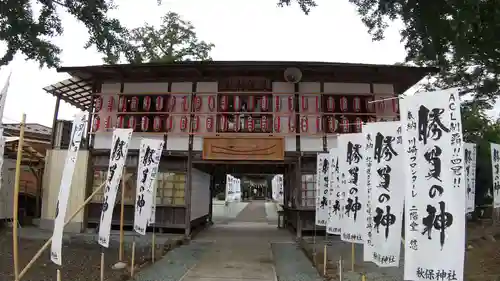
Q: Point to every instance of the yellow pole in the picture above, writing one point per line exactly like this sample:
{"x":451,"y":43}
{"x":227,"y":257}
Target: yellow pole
{"x":353,"y":257}
{"x":325,"y":261}
{"x":102,"y":266}
{"x":46,"y":245}
{"x":153,"y":247}
{"x":58,"y":275}
{"x":363,"y":277}
{"x":122,"y":210}
{"x":133,"y":260}
{"x":15,"y":214}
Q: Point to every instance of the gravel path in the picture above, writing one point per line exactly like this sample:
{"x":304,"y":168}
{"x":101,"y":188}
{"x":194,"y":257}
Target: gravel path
{"x":291,"y":263}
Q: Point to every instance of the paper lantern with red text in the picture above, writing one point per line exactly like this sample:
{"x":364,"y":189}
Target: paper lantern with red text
{"x":209,"y":123}
{"x":111,"y":103}
{"x":319,"y":124}
{"x":344,"y":106}
{"x":144,"y":123}
{"x":318,"y":103}
{"x":159,"y":103}
{"x":223,"y":103}
{"x":107,"y":123}
{"x":198,"y":102}
{"x":132,"y":122}
{"x":172,"y":100}
{"x":195,"y":124}
{"x":134,"y":103}
{"x":146,"y":103}
{"x":169,"y":124}
{"x":183,"y":123}
{"x":304,"y":103}
{"x":224,"y":123}
{"x":251,"y":103}
{"x":264,"y":124}
{"x":97,"y":103}
{"x":304,"y":124}
{"x":277,"y":104}
{"x":332,"y":124}
{"x":185,"y":104}
{"x":344,"y":125}
{"x":370,"y":105}
{"x":358,"y":124}
{"x":330,"y":104}
{"x":291,"y":106}
{"x":96,"y":123}
{"x":277,"y":124}
{"x":157,"y":124}
{"x":237,"y":103}
{"x":250,"y":124}
{"x":120,"y":122}
{"x":356,"y":104}
{"x":291,"y":125}
{"x":122,"y":104}
{"x":395,"y":105}
{"x":264,"y":103}
{"x":211,"y":103}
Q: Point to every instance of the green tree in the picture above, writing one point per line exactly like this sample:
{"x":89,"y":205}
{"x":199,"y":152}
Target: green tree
{"x":32,"y":36}
{"x":174,"y":40}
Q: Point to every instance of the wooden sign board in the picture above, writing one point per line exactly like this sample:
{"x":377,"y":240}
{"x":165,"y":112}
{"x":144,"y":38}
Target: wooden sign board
{"x":244,"y":148}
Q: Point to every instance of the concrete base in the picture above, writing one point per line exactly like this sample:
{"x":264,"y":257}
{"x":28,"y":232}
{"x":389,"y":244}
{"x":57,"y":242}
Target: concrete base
{"x":72,"y":227}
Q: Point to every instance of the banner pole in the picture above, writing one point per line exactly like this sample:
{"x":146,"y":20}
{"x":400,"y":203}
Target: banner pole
{"x":46,"y":245}
{"x":122,"y":211}
{"x":15,"y":214}
{"x":353,"y":257}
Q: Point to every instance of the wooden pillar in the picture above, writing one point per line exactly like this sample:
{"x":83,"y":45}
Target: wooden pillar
{"x":212,"y":189}
{"x":189,"y":184}
{"x":298,"y":198}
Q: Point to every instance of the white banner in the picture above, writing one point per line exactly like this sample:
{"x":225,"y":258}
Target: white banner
{"x":435,"y":186}
{"x":351,"y":165}
{"x":495,"y":170}
{"x":277,"y":185}
{"x":335,"y":196}
{"x":77,"y":132}
{"x":229,"y":188}
{"x":368,"y":159}
{"x":147,"y":169}
{"x":322,"y":175}
{"x":3,"y":98}
{"x":470,"y":175}
{"x":152,"y":219}
{"x":387,"y":178}
{"x":118,"y":154}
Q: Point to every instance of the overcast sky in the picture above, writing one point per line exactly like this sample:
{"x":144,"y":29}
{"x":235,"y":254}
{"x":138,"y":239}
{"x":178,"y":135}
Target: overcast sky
{"x":240,"y":30}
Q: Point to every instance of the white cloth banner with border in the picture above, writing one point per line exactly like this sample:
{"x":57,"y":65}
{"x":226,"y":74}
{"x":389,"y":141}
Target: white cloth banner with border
{"x":3,"y":98}
{"x":470,"y":175}
{"x":495,"y":170}
{"x":118,"y":155}
{"x":322,"y":174}
{"x":435,"y":186}
{"x":229,"y":189}
{"x":147,"y":169}
{"x":335,"y":196}
{"x":152,"y":219}
{"x":351,"y":167}
{"x":368,"y":159}
{"x":387,"y":191}
{"x":77,"y":132}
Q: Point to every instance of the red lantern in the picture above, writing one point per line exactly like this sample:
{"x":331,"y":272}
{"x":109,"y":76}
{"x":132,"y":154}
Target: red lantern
{"x":157,"y":124}
{"x":250,"y":124}
{"x":277,"y":104}
{"x":356,"y":102}
{"x":171,"y":103}
{"x":209,"y":124}
{"x":96,"y":123}
{"x":237,"y":103}
{"x":264,"y":103}
{"x":144,"y":123}
{"x":263,"y":124}
{"x":97,"y":103}
{"x":146,"y":103}
{"x":224,"y":123}
{"x":223,"y":103}
{"x":211,"y":103}
{"x":318,"y":103}
{"x":197,"y":103}
{"x":304,"y":124}
{"x":251,"y":103}
{"x":290,"y":104}
{"x":185,"y":103}
{"x":330,"y":104}
{"x":134,"y":103}
{"x":358,"y":124}
{"x":395,"y":105}
{"x":122,"y":104}
{"x":343,"y":104}
{"x":169,"y":124}
{"x":107,"y":123}
{"x":381,"y":105}
{"x":120,"y":122}
{"x":304,"y":103}
{"x":344,"y":124}
{"x":369,"y":104}
{"x":237,"y":123}
{"x":332,"y":124}
{"x":159,"y":103}
{"x":111,"y":103}
{"x":184,"y":123}
{"x":195,"y":124}
{"x":277,"y":124}
{"x":132,"y":122}
{"x":319,"y":124}
{"x":291,"y":124}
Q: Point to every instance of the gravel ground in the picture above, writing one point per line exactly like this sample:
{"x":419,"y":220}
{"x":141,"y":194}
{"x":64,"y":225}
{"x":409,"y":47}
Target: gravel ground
{"x":81,"y":260}
{"x":291,"y":263}
{"x":482,"y":260}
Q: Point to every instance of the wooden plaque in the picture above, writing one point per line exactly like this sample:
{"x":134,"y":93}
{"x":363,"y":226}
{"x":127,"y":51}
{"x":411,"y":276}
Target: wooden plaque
{"x":244,"y":148}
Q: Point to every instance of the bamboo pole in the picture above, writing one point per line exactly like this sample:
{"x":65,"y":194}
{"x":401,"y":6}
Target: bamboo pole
{"x":58,"y":275}
{"x":153,"y":245}
{"x":102,"y":266}
{"x":15,"y":214}
{"x":46,"y":245}
{"x":324,"y":260}
{"x":122,"y":211}
{"x":132,"y":265}
{"x":353,"y":257}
